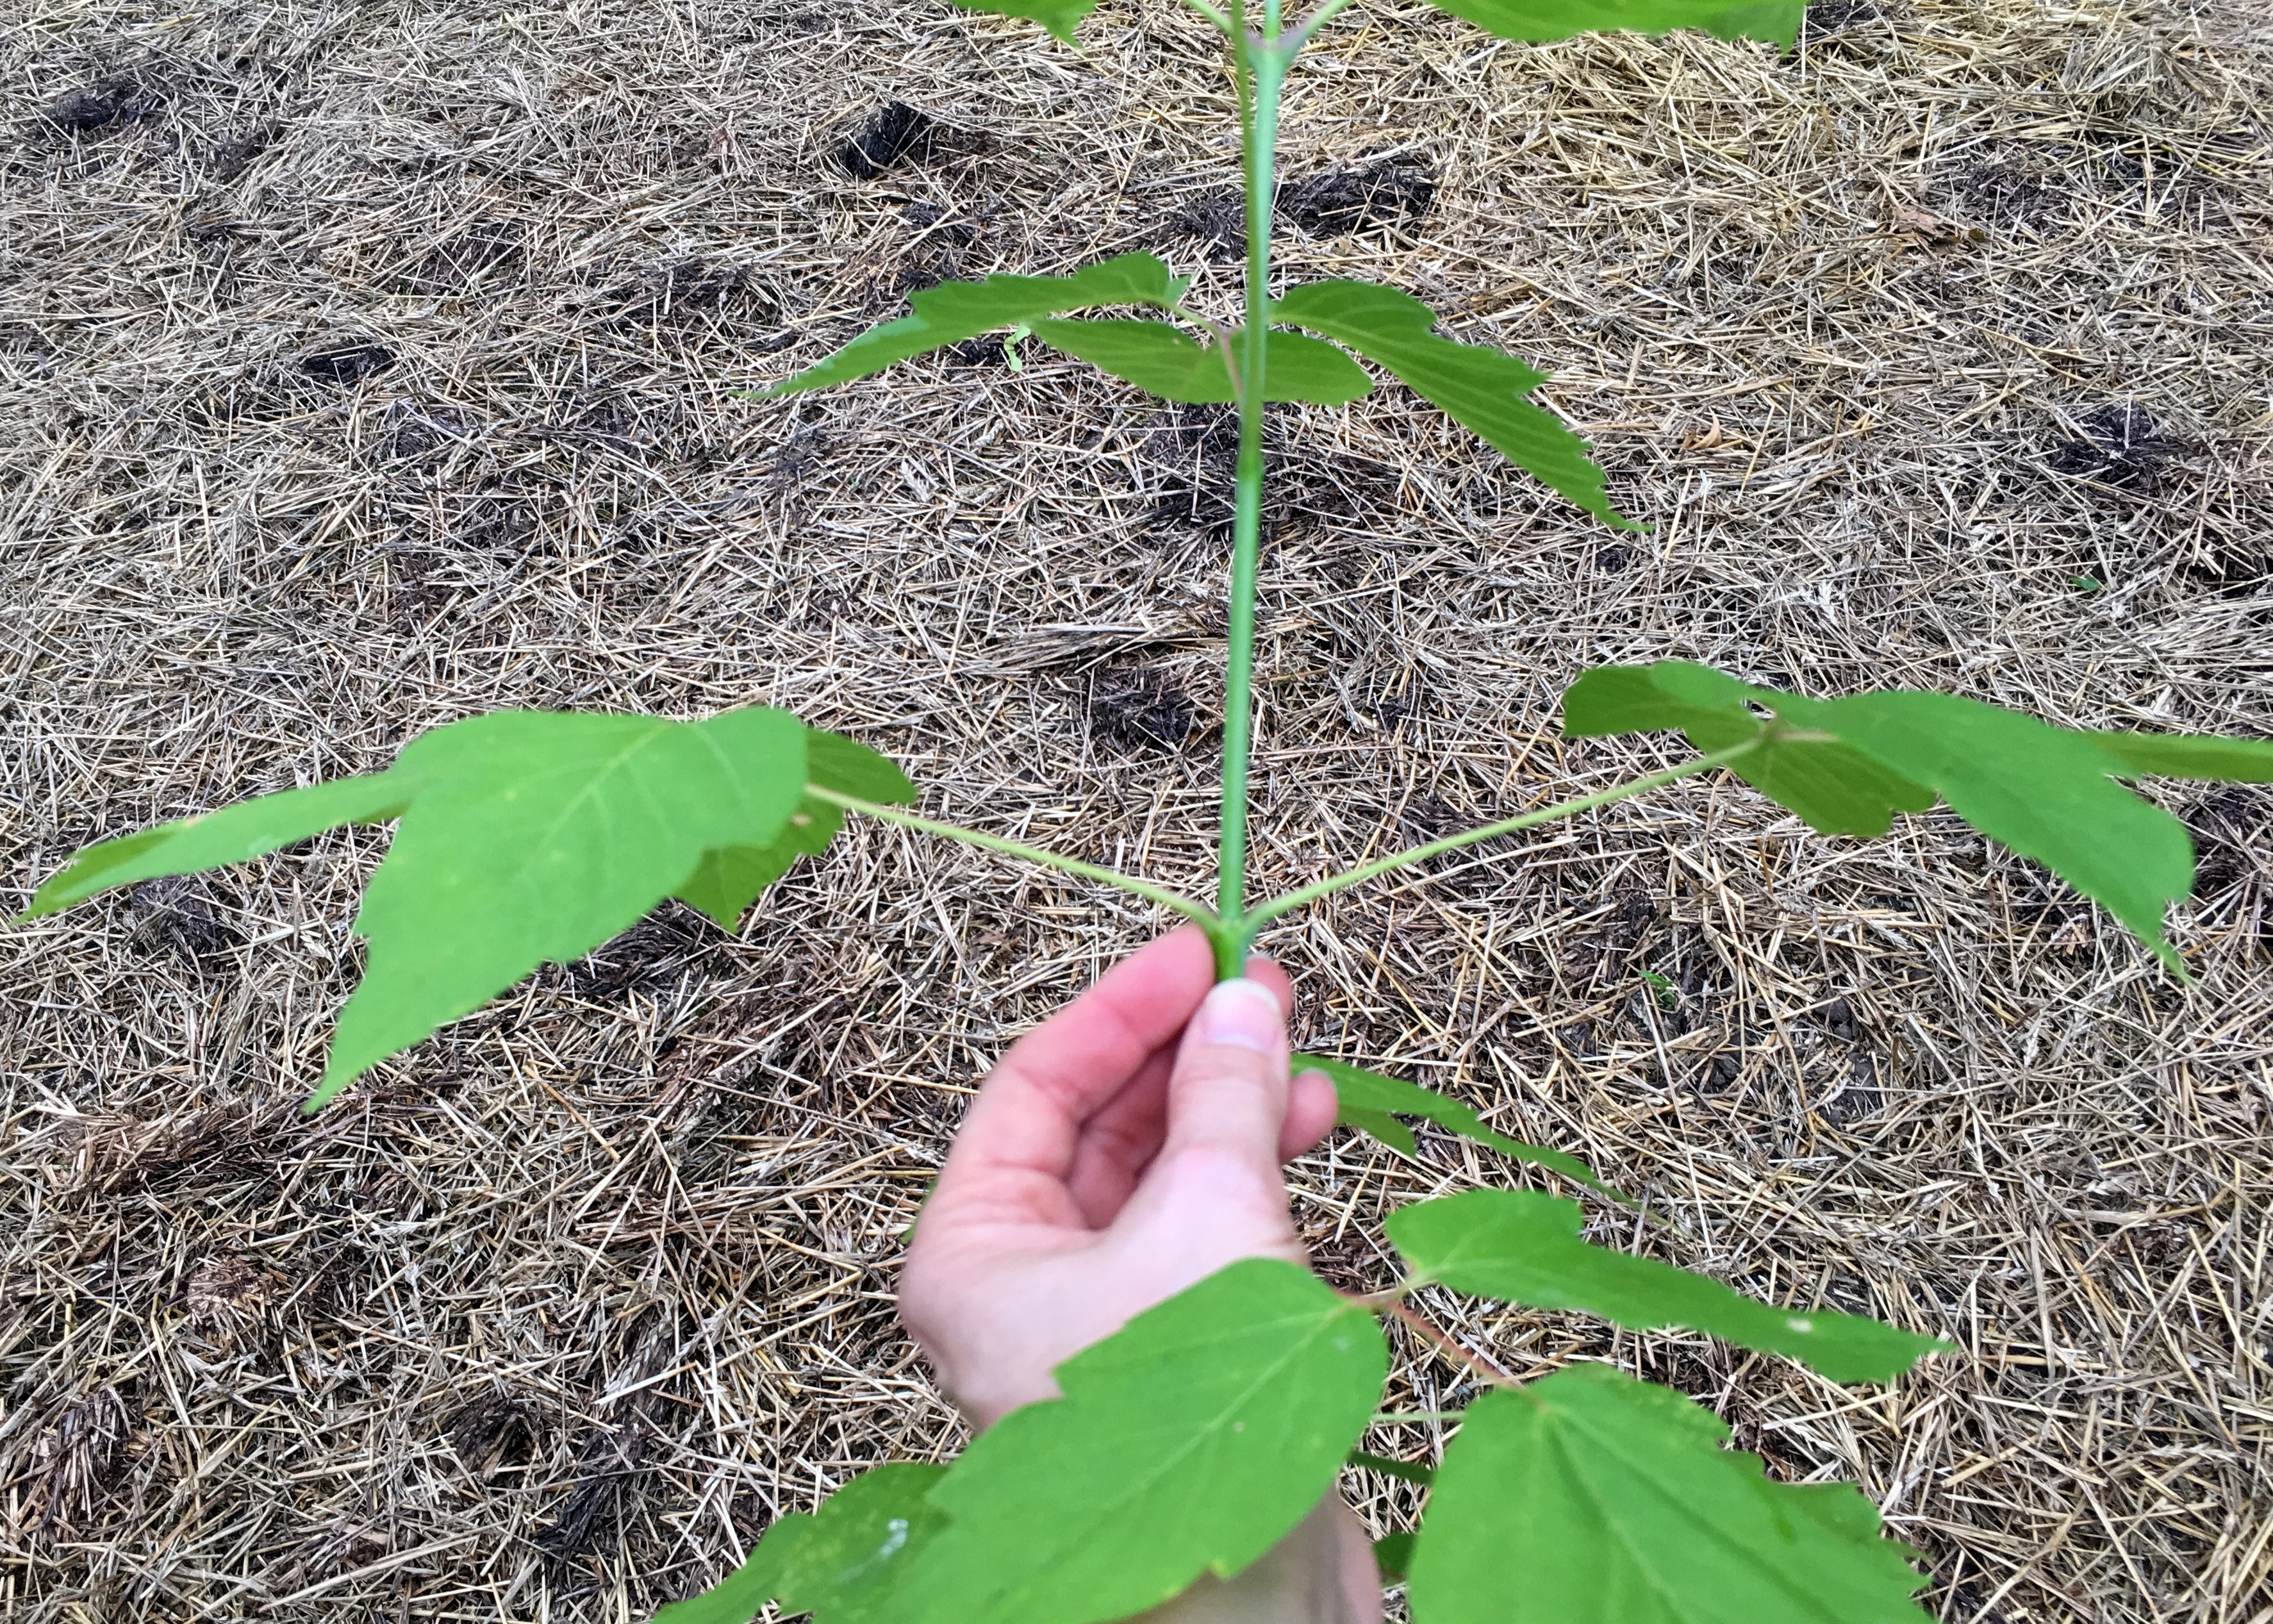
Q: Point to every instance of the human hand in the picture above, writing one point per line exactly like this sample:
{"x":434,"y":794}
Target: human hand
{"x":1128,"y":1148}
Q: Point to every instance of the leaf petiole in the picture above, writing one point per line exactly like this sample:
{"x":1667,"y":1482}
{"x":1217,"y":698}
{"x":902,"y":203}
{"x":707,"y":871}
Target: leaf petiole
{"x":1278,"y":906}
{"x":1183,"y":904}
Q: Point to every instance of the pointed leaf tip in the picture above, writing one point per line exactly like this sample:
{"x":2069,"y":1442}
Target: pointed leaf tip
{"x":1480,"y":388}
{"x":1366,"y":1099}
{"x":1847,"y":765}
{"x":1521,"y":1246}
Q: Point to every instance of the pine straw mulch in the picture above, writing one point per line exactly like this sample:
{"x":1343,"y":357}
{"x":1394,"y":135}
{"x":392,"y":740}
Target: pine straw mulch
{"x":367,"y":366}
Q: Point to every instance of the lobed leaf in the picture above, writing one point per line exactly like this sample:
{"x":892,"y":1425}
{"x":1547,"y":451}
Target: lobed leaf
{"x":1173,"y":364}
{"x":1847,"y":765}
{"x":1480,"y":388}
{"x":1368,"y":1099}
{"x":1521,"y":1246}
{"x":843,"y":1563}
{"x":1188,"y":1442}
{"x":524,"y":837}
{"x":1591,"y":1498}
{"x":728,"y":879}
{"x":1539,"y":21}
{"x":954,"y":310}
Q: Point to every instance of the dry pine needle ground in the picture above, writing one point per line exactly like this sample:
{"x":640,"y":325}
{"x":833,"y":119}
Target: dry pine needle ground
{"x":364,"y":366}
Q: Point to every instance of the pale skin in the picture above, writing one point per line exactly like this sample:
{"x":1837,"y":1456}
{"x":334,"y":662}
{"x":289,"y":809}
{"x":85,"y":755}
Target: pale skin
{"x":1128,"y":1148}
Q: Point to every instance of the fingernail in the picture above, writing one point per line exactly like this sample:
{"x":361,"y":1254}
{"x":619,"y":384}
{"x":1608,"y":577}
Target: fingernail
{"x":1243,"y":1014}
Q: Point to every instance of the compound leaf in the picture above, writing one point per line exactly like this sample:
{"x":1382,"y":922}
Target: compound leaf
{"x":1188,"y":1442}
{"x":1481,"y":389}
{"x":524,"y":837}
{"x":1367,"y":1098}
{"x":1835,"y":789}
{"x":1847,"y":765}
{"x":1060,"y":17}
{"x":842,"y":1563}
{"x":955,"y":311}
{"x":232,"y":834}
{"x":2186,"y":755}
{"x":1522,"y":1247}
{"x":1590,"y":1498}
{"x":1174,"y":366}
{"x":1539,"y":21}
{"x":728,"y":879}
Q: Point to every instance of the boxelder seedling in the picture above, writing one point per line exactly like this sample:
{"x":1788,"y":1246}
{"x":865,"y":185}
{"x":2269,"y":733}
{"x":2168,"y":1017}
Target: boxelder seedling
{"x":1194,"y":1438}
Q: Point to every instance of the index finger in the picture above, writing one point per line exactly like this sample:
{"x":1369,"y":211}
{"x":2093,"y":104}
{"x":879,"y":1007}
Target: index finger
{"x":1030,"y":1110}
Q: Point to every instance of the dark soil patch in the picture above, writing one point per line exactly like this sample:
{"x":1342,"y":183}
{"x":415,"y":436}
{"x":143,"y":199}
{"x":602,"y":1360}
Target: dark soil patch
{"x":177,"y":913}
{"x":1340,"y":201}
{"x":1196,"y":450}
{"x":894,"y":134}
{"x":2231,"y":825}
{"x":985,"y":351}
{"x":348,"y":365}
{"x":1837,"y":15}
{"x":2119,"y":446}
{"x":1142,"y":710}
{"x":486,"y":247}
{"x":2007,"y":195}
{"x":231,"y":157}
{"x":1216,"y":223}
{"x":97,"y":106}
{"x":492,"y":1434}
{"x":668,"y":942}
{"x":686,"y":294}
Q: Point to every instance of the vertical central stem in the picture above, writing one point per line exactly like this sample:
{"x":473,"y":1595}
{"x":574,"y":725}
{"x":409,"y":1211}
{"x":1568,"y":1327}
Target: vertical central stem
{"x":1260,"y":67}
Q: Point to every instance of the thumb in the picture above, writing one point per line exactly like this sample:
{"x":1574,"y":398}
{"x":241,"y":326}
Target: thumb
{"x":1228,"y":1089}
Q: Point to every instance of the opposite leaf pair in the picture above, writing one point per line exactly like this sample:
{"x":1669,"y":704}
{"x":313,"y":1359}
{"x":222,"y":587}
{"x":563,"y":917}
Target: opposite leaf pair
{"x":1192,"y":1440}
{"x":1480,"y":388}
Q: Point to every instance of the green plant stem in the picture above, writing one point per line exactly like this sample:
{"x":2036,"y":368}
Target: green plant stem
{"x":1260,"y":67}
{"x":1278,"y":906}
{"x":1186,"y":905}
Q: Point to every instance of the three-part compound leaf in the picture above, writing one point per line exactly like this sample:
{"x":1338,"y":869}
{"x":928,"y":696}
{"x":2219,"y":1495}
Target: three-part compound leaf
{"x":1521,"y":1246}
{"x":1540,"y":21}
{"x":1590,"y":1498}
{"x":1368,"y":1099}
{"x":954,"y":310}
{"x":843,"y":1563}
{"x":1481,"y":389}
{"x":524,"y":837}
{"x":1847,"y":765}
{"x":1175,"y":366}
{"x":1187,"y":1443}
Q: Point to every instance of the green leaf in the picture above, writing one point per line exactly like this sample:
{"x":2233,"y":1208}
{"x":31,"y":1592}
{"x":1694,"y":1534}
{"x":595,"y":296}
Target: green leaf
{"x":1392,"y":1556}
{"x":2184,"y":755}
{"x":1835,"y":789}
{"x":955,"y":311}
{"x":1188,"y":1442}
{"x":232,"y":834}
{"x":1173,"y":364}
{"x":1367,"y":1098}
{"x":1521,"y":1246}
{"x":1060,"y":17}
{"x":1590,"y":1498}
{"x":1481,"y":389}
{"x":1539,"y":21}
{"x":1411,"y":1471}
{"x":524,"y":837}
{"x":843,"y":1563}
{"x":728,"y":879}
{"x":1847,"y":765}
{"x":538,"y":836}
